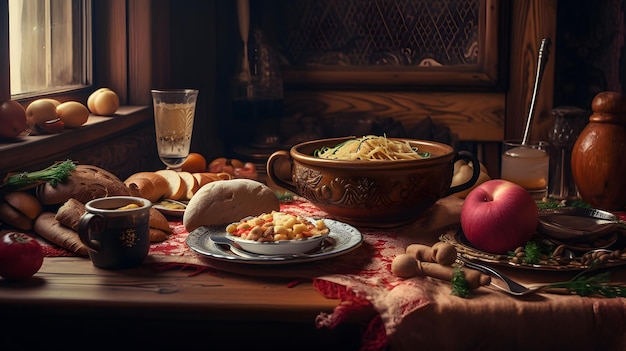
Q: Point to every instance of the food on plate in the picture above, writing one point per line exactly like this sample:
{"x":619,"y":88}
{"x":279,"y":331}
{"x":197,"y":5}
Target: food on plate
{"x":21,"y":256}
{"x":463,"y":173}
{"x":19,"y":209}
{"x":73,"y":114}
{"x":440,"y":252}
{"x":406,"y":266}
{"x":52,"y":230}
{"x":171,"y":204}
{"x":373,"y":148}
{"x":103,"y":102}
{"x":224,"y":202}
{"x":498,"y":216}
{"x":195,"y":163}
{"x":276,"y":226}
{"x":86,"y":182}
{"x":12,"y":119}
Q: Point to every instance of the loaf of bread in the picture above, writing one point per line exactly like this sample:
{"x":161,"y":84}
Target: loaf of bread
{"x":85,"y":183}
{"x":227,"y":201}
{"x":19,"y":209}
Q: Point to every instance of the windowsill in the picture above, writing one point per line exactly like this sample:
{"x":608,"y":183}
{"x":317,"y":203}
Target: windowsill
{"x":16,"y":156}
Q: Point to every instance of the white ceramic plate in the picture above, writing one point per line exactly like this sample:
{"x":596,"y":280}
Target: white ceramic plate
{"x":342,"y":239}
{"x":168,"y":211}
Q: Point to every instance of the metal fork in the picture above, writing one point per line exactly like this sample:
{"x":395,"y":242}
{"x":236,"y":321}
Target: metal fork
{"x":512,"y":287}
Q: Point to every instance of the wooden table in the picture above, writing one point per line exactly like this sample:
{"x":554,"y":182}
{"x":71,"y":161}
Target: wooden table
{"x":69,"y":300}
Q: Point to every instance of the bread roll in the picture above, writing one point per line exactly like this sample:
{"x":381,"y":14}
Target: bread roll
{"x":69,"y":213}
{"x":157,"y":235}
{"x":85,"y":183}
{"x":151,"y":185}
{"x":24,"y":202}
{"x":158,"y":221}
{"x":227,"y":201}
{"x":13,"y":217}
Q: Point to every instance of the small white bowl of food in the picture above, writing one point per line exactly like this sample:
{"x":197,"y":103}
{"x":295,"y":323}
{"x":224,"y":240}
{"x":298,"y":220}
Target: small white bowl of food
{"x":277,"y":233}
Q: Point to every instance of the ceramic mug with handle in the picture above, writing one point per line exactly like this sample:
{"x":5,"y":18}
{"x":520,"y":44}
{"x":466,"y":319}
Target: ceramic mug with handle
{"x":116,"y":231}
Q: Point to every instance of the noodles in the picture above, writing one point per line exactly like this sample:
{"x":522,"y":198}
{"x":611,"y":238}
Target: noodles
{"x":373,"y":148}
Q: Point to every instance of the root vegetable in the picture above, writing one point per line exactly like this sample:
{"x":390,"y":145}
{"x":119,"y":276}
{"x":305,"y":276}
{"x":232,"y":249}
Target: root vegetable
{"x":406,"y":266}
{"x":474,"y":278}
{"x":442,"y":253}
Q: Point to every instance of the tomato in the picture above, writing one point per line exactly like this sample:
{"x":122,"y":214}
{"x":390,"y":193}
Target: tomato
{"x":21,"y":256}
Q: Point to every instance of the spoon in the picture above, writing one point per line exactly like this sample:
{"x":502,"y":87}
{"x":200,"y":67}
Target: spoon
{"x":541,"y":63}
{"x":238,"y":250}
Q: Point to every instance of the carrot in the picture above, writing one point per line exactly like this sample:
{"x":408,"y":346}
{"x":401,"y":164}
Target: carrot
{"x":50,"y":229}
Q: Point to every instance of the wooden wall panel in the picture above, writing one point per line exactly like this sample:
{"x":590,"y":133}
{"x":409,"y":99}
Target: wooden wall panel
{"x":472,"y":116}
{"x":531,"y":20}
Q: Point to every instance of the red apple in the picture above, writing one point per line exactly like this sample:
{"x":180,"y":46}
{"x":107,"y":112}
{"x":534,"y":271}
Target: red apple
{"x":498,"y":216}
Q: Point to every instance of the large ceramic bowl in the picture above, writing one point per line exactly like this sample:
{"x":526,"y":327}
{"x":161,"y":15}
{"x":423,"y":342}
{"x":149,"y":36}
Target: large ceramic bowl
{"x":376,"y":194}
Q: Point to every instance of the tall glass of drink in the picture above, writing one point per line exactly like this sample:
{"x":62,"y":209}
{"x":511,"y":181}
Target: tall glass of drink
{"x":527,"y":165}
{"x":174,"y":112}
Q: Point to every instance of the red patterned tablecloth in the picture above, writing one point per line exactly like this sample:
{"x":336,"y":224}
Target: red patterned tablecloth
{"x":419,"y":311}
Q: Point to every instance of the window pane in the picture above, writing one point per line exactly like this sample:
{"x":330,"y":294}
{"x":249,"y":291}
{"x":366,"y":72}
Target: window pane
{"x":47,"y":43}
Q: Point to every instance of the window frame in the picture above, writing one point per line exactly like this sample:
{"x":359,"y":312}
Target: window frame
{"x":122,"y":54}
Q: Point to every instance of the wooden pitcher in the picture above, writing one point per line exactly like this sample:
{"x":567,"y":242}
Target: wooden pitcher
{"x":599,"y":154}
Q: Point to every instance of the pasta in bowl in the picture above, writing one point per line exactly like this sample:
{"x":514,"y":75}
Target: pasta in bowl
{"x":370,"y":191}
{"x":277,"y":233}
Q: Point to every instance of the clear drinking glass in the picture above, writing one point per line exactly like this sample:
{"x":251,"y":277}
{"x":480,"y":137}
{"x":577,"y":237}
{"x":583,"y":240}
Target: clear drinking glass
{"x":174,"y":112}
{"x":527,"y":165}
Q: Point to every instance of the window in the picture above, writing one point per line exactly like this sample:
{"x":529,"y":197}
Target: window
{"x":49,"y":46}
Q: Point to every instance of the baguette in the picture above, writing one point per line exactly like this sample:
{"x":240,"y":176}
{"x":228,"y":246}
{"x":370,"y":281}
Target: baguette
{"x":191,"y":184}
{"x":176,"y":185}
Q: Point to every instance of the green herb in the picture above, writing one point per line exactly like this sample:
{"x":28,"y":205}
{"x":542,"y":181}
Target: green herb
{"x":460,"y":287}
{"x":597,"y":284}
{"x":535,"y":249}
{"x":549,"y":204}
{"x":284,"y":197}
{"x":59,"y":172}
